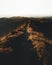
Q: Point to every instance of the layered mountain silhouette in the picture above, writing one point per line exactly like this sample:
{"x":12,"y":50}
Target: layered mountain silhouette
{"x":25,"y":41}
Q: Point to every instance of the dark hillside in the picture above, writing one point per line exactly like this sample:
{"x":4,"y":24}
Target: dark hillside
{"x":25,"y":41}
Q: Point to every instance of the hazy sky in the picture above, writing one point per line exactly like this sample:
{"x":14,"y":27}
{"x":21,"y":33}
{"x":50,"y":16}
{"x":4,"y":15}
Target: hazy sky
{"x":25,"y":8}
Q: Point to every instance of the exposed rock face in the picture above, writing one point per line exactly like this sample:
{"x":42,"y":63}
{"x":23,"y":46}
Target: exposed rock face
{"x":26,"y":45}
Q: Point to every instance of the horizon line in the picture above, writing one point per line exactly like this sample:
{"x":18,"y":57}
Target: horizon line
{"x":34,"y":16}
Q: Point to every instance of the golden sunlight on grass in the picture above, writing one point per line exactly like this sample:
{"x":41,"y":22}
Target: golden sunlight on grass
{"x":13,"y":33}
{"x":38,"y":41}
{"x":37,"y":38}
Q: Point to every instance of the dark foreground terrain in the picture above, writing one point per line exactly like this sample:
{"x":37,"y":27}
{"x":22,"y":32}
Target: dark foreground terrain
{"x":25,"y":41}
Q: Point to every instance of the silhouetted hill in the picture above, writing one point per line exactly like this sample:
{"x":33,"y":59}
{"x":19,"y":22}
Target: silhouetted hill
{"x":8,"y":24}
{"x":25,"y":41}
